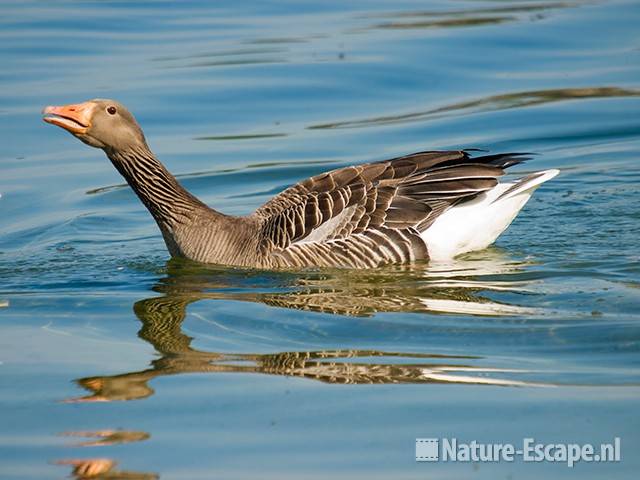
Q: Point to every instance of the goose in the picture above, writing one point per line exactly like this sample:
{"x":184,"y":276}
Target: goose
{"x":431,"y":205}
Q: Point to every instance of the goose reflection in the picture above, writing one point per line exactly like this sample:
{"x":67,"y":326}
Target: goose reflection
{"x":103,"y":438}
{"x":102,"y":469}
{"x":441,"y":288}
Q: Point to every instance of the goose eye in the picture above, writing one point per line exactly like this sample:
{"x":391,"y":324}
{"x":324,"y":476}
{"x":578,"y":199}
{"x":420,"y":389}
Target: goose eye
{"x":111,"y":110}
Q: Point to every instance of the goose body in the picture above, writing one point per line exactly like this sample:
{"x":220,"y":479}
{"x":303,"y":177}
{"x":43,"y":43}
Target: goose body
{"x":427,"y":205}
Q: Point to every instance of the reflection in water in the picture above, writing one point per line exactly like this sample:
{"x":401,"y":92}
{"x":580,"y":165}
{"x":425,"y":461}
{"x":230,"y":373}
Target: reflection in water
{"x":470,"y":16}
{"x":222,"y":58}
{"x":487,"y":104}
{"x":251,"y":136}
{"x":108,"y":437}
{"x":102,"y":469}
{"x":237,"y":52}
{"x":279,"y":50}
{"x":326,"y":366}
{"x":509,"y":8}
{"x":449,"y":22}
{"x":443,"y":288}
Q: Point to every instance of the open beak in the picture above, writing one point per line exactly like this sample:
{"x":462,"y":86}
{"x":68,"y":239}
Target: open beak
{"x":74,"y":118}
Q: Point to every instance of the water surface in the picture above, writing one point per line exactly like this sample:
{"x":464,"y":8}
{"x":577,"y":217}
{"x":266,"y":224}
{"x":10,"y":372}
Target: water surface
{"x":116,"y":363}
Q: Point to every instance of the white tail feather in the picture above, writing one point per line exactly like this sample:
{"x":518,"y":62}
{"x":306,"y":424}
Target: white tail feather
{"x":476,"y":224}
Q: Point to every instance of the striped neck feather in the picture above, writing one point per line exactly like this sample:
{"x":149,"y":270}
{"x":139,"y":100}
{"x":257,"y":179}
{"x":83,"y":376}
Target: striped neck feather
{"x":168,"y":201}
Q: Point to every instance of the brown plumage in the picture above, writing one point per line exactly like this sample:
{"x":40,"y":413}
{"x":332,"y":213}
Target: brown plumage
{"x":360,"y":216}
{"x":372,"y":214}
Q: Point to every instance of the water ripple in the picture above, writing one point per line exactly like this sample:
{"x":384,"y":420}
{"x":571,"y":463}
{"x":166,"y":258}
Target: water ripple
{"x":488,"y":104}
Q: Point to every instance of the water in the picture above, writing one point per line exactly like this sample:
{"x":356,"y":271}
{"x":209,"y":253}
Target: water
{"x":114,"y":360}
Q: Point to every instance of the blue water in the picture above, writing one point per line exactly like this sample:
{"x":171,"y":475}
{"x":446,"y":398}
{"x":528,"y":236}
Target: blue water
{"x":115,"y":363}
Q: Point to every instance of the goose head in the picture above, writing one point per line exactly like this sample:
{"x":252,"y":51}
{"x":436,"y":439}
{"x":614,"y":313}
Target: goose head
{"x":100,"y":123}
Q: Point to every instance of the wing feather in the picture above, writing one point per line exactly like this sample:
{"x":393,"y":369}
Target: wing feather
{"x":404,"y":194}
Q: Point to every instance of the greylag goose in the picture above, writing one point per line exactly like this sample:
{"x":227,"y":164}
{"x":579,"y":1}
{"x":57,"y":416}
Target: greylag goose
{"x":427,"y":205}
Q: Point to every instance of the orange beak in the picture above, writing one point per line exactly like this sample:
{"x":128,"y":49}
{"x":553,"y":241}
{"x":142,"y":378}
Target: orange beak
{"x":74,"y":118}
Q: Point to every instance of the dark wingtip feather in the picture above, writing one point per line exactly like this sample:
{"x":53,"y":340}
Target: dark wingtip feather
{"x":505,"y":160}
{"x":467,"y":150}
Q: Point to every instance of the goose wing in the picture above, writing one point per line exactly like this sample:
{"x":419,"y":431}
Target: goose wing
{"x":402,"y":195}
